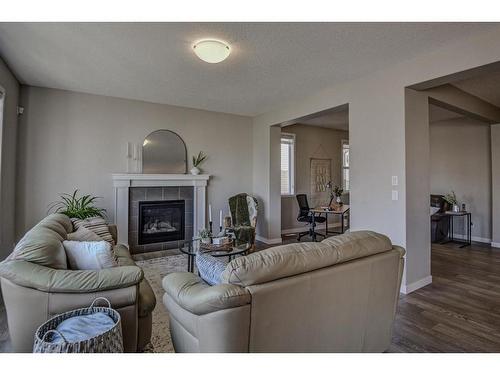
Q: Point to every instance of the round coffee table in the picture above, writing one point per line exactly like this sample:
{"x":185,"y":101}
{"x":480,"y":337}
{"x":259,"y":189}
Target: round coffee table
{"x":192,"y":247}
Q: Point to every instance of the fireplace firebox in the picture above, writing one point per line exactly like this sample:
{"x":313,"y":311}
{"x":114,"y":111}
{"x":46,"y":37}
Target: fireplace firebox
{"x":161,"y":221}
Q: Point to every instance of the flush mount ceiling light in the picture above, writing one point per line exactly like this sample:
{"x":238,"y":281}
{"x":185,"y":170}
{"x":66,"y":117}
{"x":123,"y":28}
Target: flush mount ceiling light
{"x":212,"y":51}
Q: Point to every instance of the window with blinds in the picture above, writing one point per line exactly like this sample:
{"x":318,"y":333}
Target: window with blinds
{"x":345,"y":165}
{"x":287,"y":164}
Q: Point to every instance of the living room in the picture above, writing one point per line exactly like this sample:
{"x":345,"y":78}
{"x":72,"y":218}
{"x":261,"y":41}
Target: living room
{"x":157,"y":172}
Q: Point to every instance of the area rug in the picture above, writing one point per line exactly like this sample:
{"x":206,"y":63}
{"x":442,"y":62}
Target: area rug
{"x":154,"y":271}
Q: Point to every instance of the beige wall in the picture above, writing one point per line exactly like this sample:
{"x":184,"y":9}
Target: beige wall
{"x":461,"y":161}
{"x":71,"y":140}
{"x":8,"y":160}
{"x":418,"y":234}
{"x":495,"y":183}
{"x":311,"y":141}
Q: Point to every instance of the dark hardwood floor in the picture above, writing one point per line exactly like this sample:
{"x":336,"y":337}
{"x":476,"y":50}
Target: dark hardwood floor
{"x":459,"y":311}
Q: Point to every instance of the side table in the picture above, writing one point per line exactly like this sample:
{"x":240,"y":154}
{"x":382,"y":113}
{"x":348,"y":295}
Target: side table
{"x":468,"y":226}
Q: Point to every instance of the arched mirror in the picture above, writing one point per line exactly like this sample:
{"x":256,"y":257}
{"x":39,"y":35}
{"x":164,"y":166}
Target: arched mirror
{"x":163,"y":151}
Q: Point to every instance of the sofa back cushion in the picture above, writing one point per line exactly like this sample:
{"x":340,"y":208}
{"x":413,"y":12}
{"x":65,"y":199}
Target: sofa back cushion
{"x":348,"y":307}
{"x":43,"y":243}
{"x":297,"y":258}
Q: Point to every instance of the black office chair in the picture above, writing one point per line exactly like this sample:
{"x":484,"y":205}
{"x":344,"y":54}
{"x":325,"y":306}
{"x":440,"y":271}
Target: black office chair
{"x":306,"y":216}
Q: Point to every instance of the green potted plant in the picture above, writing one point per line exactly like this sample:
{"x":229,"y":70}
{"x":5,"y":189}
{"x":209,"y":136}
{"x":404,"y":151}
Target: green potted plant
{"x":205,"y":235}
{"x":338,"y":191}
{"x":335,"y":193}
{"x":77,"y":207}
{"x":197,"y":161}
{"x":451,"y":199}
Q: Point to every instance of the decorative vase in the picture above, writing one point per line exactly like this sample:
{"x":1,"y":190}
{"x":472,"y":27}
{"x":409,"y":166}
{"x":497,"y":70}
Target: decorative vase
{"x":195,"y":170}
{"x":456,"y":208}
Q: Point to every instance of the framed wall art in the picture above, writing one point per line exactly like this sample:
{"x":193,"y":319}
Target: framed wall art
{"x":320,"y":176}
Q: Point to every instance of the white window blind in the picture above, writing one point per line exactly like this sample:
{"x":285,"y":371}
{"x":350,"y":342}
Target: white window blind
{"x":345,"y":165}
{"x":287,"y":164}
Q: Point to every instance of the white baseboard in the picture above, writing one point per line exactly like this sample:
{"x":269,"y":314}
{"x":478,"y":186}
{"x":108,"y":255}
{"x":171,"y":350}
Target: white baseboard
{"x":269,"y":241}
{"x":407,"y":289}
{"x":473,"y":238}
{"x":495,"y":244}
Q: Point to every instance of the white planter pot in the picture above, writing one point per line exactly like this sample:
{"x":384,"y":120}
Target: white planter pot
{"x":205,"y":240}
{"x":456,"y":208}
{"x":195,"y":171}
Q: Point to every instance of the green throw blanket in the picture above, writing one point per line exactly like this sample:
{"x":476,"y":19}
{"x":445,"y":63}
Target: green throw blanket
{"x":243,"y":230}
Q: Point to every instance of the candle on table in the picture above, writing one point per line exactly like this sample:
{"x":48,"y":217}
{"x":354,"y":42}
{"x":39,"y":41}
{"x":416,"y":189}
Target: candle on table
{"x":209,"y":212}
{"x":220,"y":218}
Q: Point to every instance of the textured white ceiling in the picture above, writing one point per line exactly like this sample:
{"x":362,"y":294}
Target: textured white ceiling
{"x":270,"y":64}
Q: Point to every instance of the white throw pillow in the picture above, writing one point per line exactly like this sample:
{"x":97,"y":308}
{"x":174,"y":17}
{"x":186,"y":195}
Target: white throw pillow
{"x":89,"y":255}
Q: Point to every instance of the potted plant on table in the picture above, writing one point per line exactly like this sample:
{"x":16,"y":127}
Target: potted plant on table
{"x":338,"y":191}
{"x":205,"y":235}
{"x":335,"y":193}
{"x":451,"y":199}
{"x":197,"y":161}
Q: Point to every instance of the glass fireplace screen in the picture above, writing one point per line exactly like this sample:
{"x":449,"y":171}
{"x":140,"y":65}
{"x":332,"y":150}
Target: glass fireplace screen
{"x":161,"y":221}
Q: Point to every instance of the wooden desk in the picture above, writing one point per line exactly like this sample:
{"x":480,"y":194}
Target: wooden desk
{"x":342,"y":212}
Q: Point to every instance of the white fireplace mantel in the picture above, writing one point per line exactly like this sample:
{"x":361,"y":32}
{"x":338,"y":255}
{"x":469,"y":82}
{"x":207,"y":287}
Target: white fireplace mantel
{"x":122,"y":182}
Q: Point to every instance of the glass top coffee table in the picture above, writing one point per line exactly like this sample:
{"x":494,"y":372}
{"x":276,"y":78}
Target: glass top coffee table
{"x":192,"y":247}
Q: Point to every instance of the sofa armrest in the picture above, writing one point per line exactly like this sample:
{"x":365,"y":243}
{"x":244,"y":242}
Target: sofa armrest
{"x":401,"y":250}
{"x":193,"y":294}
{"x":47,"y":279}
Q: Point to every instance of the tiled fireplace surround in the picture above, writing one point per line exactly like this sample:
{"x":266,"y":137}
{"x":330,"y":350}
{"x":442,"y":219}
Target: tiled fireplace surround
{"x":130,"y":189}
{"x":138,"y":194}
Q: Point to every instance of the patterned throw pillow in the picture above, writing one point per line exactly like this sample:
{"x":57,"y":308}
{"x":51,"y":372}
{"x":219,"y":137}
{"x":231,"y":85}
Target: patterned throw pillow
{"x":210,"y":268}
{"x":97,"y":225}
{"x":83,"y":234}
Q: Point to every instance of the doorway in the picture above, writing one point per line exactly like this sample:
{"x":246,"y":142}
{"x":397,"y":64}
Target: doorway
{"x":314,"y":162}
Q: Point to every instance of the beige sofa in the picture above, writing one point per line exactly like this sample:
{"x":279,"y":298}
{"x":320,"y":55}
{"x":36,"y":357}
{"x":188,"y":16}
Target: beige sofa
{"x":339,"y":295}
{"x":37,"y":284}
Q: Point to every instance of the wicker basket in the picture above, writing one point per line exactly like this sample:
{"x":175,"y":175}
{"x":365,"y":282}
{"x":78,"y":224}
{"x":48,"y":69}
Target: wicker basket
{"x":107,"y":342}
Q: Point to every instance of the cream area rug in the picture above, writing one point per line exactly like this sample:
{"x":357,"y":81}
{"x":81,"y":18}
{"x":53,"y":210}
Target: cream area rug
{"x":155,"y":270}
